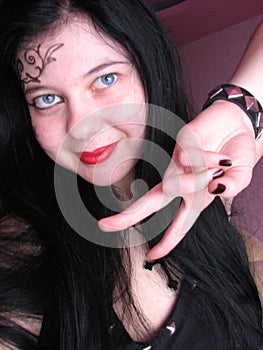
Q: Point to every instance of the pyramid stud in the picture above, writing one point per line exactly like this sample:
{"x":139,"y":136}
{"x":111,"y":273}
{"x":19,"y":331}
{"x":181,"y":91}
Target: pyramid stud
{"x":111,"y":327}
{"x":215,"y":92}
{"x":171,"y":328}
{"x":251,"y":103}
{"x":242,"y":98}
{"x":233,"y":92}
{"x":260,"y":120}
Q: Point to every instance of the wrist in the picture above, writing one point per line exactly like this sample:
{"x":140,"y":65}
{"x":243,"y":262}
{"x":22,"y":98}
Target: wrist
{"x":237,"y":115}
{"x":232,"y":116}
{"x":251,"y":86}
{"x":241,"y":98}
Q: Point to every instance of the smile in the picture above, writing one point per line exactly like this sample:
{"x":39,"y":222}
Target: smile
{"x":99,"y":155}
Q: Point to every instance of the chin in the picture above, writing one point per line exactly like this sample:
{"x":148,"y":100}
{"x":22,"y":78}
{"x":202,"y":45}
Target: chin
{"x":117,"y":178}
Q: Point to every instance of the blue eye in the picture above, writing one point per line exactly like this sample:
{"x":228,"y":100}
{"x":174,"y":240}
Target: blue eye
{"x":46,"y":101}
{"x":105,"y":81}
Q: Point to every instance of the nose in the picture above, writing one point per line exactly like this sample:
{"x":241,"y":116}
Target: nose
{"x":84,"y":118}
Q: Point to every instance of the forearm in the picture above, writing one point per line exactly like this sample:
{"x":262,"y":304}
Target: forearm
{"x":249,"y":73}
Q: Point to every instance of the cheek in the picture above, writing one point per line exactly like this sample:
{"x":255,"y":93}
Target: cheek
{"x":136,"y":87}
{"x":136,"y":123}
{"x":135,"y":131}
{"x":48,"y":137}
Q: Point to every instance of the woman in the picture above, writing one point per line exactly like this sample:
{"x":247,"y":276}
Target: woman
{"x":75,"y":77}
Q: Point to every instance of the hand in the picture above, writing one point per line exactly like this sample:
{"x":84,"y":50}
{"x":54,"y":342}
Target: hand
{"x":196,"y":173}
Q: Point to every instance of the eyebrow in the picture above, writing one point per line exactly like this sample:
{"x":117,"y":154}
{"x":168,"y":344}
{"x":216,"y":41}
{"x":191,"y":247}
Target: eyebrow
{"x":105,"y":65}
{"x":92,"y":71}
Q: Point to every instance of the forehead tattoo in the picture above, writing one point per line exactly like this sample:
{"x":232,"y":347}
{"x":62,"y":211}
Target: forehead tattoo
{"x":31,"y":64}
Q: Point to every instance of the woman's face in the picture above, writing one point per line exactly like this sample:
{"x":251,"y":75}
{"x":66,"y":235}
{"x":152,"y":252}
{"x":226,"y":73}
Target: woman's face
{"x":86,"y":102}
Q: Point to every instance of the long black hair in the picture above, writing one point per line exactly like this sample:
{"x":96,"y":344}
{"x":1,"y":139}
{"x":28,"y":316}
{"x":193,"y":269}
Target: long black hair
{"x":50,"y":273}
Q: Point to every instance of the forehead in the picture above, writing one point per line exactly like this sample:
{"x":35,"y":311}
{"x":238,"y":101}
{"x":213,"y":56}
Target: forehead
{"x":76,"y":40}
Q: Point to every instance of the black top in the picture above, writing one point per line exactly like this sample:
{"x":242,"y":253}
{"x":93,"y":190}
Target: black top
{"x":183,"y":331}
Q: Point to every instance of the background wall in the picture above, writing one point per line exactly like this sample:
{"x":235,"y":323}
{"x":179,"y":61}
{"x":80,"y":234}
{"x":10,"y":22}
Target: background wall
{"x":211,"y":60}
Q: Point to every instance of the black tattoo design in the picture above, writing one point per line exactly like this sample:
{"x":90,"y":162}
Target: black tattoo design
{"x":31,"y":65}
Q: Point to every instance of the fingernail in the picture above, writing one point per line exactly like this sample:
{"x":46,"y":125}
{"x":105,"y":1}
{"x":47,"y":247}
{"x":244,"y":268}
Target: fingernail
{"x":219,"y":189}
{"x":218,"y":173}
{"x":225,"y":162}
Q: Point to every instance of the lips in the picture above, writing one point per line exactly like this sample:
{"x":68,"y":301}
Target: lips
{"x":99,"y":155}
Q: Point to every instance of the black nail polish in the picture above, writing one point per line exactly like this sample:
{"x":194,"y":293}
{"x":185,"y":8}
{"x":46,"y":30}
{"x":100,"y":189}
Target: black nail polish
{"x":218,"y":173}
{"x":225,"y":162}
{"x":219,"y":189}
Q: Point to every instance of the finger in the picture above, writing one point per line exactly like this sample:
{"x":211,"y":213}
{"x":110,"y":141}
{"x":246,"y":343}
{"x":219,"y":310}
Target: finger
{"x":196,"y":157}
{"x":155,"y":200}
{"x":189,"y":183}
{"x":185,"y":217}
{"x":234,"y":181}
{"x":148,"y":204}
{"x":172,"y":237}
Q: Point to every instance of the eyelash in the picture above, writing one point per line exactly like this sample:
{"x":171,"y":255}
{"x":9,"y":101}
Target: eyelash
{"x":57,"y":99}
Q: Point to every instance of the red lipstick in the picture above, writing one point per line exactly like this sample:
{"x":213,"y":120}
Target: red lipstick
{"x":99,"y":155}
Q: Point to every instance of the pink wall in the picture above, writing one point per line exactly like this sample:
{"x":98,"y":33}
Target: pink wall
{"x":194,"y":19}
{"x":211,"y":60}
